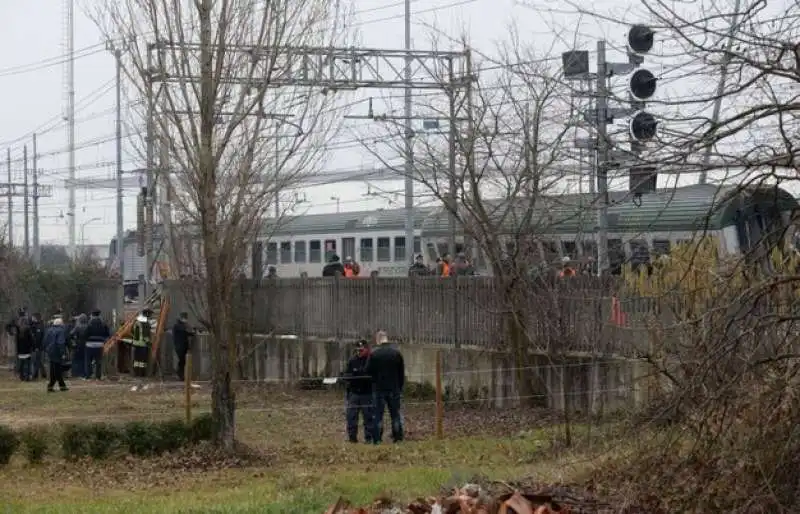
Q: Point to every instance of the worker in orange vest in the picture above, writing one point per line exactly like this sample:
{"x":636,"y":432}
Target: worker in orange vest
{"x":351,"y":268}
{"x":443,"y":269}
{"x":566,"y":269}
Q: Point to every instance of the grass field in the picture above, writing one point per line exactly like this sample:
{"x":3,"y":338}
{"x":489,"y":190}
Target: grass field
{"x":304,"y":464}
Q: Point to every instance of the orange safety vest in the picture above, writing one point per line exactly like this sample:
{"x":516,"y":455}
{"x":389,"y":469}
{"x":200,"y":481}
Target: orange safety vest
{"x":445,"y":269}
{"x":348,"y":271}
{"x":567,"y":272}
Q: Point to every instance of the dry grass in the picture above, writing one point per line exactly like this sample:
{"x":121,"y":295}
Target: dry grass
{"x":301,"y":436}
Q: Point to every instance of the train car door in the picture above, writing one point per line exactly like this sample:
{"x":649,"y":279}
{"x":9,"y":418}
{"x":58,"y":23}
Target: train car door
{"x":349,"y":247}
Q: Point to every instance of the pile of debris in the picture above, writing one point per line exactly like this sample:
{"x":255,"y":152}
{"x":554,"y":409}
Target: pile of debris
{"x":474,"y":499}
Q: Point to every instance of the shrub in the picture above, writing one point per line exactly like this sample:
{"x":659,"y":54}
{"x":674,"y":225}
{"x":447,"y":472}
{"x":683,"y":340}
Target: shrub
{"x":102,"y":439}
{"x":36,"y":445}
{"x":421,"y":391}
{"x":173,"y":435}
{"x":74,"y":442}
{"x":9,"y":442}
{"x":141,"y":438}
{"x":201,"y":429}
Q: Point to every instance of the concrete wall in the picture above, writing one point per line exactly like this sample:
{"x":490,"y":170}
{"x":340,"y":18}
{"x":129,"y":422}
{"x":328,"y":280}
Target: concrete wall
{"x":480,"y":376}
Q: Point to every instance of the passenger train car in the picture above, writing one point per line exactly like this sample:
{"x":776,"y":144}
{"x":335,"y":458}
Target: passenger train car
{"x":565,"y":226}
{"x":560,"y":226}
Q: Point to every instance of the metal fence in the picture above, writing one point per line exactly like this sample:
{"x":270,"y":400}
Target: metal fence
{"x":568,"y":315}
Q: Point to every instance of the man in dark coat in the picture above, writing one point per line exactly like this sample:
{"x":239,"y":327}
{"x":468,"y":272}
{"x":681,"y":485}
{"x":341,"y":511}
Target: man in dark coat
{"x":55,"y":343}
{"x":419,"y":268}
{"x":97,"y":332}
{"x":387,"y":369}
{"x":182,"y":337}
{"x":359,"y":393}
{"x":24,"y":348}
{"x":37,"y":332}
{"x":334,"y":267}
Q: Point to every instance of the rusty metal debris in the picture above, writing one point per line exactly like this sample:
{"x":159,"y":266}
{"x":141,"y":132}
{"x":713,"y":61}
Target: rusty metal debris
{"x":470,"y":499}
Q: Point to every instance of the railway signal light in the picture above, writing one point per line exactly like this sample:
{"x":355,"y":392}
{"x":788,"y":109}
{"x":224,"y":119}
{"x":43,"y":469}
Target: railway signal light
{"x":643,"y":84}
{"x":643,"y":126}
{"x":640,"y":39}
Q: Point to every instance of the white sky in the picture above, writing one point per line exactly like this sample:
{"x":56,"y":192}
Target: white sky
{"x":32,"y":80}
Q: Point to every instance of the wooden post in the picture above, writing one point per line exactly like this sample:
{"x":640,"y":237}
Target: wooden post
{"x":439,"y":397}
{"x":187,"y":384}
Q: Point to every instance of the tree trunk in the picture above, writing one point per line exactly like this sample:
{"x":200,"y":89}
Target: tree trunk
{"x":219,"y":289}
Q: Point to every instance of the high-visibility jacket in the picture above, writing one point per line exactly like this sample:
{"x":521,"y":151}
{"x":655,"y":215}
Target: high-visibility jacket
{"x":445,"y":269}
{"x":567,"y":272}
{"x":348,"y":271}
{"x":141,"y":333}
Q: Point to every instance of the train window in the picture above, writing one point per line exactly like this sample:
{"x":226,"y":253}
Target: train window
{"x":550,"y":251}
{"x":640,"y":253}
{"x":443,"y":249}
{"x":511,"y":249}
{"x":616,"y":256}
{"x":384,"y":249}
{"x":460,"y":248}
{"x":400,"y":249}
{"x":570,"y":249}
{"x":272,"y":253}
{"x":432,"y":255}
{"x":417,"y":244}
{"x":661,"y":247}
{"x":367,"y":250}
{"x":589,"y":249}
{"x":315,"y":251}
{"x":286,"y":252}
{"x":300,"y":252}
{"x":257,"y":259}
{"x":330,"y":248}
{"x":349,"y":246}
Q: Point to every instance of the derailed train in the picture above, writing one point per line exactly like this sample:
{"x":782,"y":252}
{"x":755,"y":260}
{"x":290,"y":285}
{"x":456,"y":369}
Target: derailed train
{"x":738,"y":219}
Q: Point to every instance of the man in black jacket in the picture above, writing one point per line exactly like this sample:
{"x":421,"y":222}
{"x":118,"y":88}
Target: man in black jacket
{"x":97,"y":332}
{"x":387,"y":369}
{"x":24,"y":348}
{"x":182,"y":336}
{"x":334,"y":267}
{"x":359,"y":393}
{"x":37,"y":332}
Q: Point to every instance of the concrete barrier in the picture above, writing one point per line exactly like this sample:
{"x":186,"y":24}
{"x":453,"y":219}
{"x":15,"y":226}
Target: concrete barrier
{"x":580,"y":382}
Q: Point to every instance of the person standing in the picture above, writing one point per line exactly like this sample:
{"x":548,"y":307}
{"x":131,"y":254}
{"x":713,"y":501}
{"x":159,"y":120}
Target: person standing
{"x":37,"y":332}
{"x":359,"y":393}
{"x":97,"y":332}
{"x":182,"y":338}
{"x":141,"y":343}
{"x":77,"y":342}
{"x":24,"y":348}
{"x":55,"y":343}
{"x":387,"y":370}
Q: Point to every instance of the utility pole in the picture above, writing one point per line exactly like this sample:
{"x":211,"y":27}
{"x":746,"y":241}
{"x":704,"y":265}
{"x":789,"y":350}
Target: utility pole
{"x":165,"y":202}
{"x":602,"y":159}
{"x":26,"y":201}
{"x":147,"y":190}
{"x":409,"y":146}
{"x":37,"y":255}
{"x":10,"y":201}
{"x":120,"y":230}
{"x":70,"y":115}
{"x":451,"y":162}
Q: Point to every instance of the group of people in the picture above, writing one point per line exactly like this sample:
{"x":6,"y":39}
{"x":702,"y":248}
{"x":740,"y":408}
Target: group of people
{"x":445,"y":267}
{"x":375,"y":379}
{"x":335,"y":267}
{"x":75,"y":347}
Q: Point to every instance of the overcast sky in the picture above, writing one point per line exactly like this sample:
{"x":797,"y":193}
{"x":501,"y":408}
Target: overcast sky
{"x":32,"y":77}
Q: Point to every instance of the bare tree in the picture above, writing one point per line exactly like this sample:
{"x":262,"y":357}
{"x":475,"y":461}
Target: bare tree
{"x":227,"y":151}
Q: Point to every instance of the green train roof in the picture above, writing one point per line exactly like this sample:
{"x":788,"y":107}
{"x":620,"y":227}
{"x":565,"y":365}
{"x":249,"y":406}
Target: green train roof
{"x":690,"y":208}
